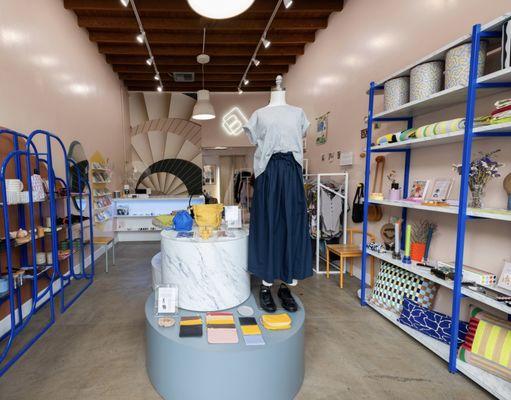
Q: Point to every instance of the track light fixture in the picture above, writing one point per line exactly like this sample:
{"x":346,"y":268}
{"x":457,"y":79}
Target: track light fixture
{"x":149,"y":61}
{"x":288,"y":3}
{"x":140,"y":37}
{"x":256,"y":62}
{"x":125,"y":3}
{"x":246,"y":81}
{"x":266,"y":42}
{"x":157,"y":77}
{"x":240,"y":91}
{"x":159,"y":88}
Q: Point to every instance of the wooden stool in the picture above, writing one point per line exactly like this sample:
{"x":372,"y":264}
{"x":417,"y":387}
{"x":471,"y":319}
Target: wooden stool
{"x":347,"y":251}
{"x":105,"y":241}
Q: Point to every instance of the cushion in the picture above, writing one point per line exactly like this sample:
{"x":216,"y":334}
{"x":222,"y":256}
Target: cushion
{"x":489,"y":337}
{"x":430,"y":323}
{"x":393,"y":284}
{"x":483,"y":363}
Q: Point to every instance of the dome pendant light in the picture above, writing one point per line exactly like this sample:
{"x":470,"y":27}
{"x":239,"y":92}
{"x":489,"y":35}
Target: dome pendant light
{"x":203,"y":109}
{"x":220,"y":9}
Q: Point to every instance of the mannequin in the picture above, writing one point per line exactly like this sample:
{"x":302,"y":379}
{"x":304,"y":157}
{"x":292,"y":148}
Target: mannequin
{"x":279,"y":242}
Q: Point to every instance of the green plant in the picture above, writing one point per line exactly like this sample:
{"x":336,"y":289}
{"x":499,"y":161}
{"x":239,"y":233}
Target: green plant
{"x":421,"y":229}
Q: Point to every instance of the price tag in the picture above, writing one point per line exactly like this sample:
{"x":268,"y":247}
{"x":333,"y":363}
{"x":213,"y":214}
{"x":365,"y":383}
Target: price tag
{"x":167,"y":300}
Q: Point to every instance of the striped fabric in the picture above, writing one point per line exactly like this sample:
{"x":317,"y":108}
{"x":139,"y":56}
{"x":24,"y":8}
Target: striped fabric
{"x":483,"y":363}
{"x":489,"y":337}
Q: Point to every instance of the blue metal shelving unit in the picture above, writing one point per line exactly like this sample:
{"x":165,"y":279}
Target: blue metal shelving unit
{"x":25,"y":151}
{"x":476,"y":36}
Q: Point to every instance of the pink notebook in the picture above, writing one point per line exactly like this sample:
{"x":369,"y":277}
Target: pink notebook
{"x":222,"y":336}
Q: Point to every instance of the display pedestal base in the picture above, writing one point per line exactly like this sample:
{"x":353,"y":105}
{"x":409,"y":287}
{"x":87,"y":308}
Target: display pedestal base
{"x":192,"y":369}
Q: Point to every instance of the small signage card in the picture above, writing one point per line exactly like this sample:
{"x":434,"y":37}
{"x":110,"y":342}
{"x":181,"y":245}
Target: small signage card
{"x":233,"y":216}
{"x":505,"y":276}
{"x":166,"y":299}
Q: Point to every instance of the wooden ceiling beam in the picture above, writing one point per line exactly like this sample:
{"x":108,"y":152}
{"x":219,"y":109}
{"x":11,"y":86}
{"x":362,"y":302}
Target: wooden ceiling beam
{"x":209,"y":85}
{"x":187,"y":60}
{"x":195,"y":24}
{"x":213,"y":51}
{"x":156,"y":38}
{"x":214,"y":69}
{"x":193,"y":89}
{"x":259,"y":7}
{"x":209,"y":77}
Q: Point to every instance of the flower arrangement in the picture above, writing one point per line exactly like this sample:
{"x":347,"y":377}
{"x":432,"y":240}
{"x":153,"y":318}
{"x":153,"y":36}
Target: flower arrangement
{"x":392,"y":178}
{"x":482,"y":170}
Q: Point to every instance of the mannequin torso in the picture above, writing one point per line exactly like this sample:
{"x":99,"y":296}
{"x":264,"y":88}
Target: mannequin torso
{"x":277,"y":98}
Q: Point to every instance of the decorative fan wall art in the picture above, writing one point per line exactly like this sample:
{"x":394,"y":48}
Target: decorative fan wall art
{"x":165,"y":146}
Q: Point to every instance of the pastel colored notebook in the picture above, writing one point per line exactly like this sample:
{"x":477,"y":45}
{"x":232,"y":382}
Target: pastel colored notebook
{"x":254,"y":340}
{"x":222,"y":336}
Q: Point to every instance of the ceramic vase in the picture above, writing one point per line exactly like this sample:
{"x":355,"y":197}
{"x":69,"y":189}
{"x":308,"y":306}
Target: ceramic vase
{"x":477,"y":194}
{"x":426,"y":79}
{"x":417,"y":251}
{"x":396,"y":92}
{"x":457,"y":64}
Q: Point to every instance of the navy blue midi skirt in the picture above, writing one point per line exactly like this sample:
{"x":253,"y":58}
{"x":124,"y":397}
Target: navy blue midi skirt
{"x":279,"y":242}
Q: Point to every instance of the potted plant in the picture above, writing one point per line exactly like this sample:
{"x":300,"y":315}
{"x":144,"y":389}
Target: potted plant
{"x":395,"y":191}
{"x":422,"y":232}
{"x":482,"y":170}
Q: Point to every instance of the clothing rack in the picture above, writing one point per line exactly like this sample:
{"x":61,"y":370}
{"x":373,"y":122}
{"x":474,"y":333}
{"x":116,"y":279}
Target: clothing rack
{"x":344,"y":196}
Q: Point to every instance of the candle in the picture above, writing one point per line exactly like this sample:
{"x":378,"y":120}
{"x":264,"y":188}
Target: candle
{"x":408,"y":240}
{"x":397,"y":238}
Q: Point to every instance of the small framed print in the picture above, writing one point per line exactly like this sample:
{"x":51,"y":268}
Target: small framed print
{"x":418,"y":190}
{"x":441,"y":189}
{"x":505,"y":276}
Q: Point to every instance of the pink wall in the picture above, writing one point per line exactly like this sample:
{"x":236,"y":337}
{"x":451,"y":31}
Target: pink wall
{"x":212,"y":132}
{"x":52,"y":77}
{"x":367,"y":41}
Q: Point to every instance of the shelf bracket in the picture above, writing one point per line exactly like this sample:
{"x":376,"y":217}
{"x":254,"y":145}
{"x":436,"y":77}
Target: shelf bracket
{"x":493,"y":85}
{"x":491,"y":34}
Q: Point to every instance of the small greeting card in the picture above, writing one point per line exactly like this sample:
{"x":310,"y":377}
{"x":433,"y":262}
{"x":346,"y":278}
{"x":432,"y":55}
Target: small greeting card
{"x":505,"y":276}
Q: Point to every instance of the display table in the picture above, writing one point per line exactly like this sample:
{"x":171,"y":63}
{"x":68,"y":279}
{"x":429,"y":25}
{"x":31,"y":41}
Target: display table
{"x":192,"y":369}
{"x":211,"y":274}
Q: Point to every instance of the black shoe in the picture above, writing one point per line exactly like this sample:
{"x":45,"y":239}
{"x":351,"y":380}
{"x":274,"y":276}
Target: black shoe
{"x":286,"y":298}
{"x":266,"y":299}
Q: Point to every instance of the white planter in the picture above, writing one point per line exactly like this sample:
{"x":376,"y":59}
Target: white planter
{"x":426,"y":79}
{"x":457,"y":64}
{"x":396,"y":92}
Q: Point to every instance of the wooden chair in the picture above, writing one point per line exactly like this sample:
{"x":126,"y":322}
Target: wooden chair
{"x":106,"y":241}
{"x":347,"y":251}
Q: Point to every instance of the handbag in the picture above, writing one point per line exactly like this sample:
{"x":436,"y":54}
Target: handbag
{"x":357,"y":214}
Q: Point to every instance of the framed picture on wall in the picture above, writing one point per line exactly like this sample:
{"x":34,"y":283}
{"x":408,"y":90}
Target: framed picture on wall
{"x":418,"y":190}
{"x":208,"y":174}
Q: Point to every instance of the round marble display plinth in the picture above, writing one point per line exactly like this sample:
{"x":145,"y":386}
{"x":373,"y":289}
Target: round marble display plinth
{"x":193,"y":369}
{"x":211,"y":274}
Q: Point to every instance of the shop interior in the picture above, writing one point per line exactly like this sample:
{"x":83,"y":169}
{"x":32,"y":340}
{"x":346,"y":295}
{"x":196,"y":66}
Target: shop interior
{"x":278,"y":199}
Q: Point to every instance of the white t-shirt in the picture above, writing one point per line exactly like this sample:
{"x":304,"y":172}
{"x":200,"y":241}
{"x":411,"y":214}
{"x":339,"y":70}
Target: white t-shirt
{"x":276,"y":129}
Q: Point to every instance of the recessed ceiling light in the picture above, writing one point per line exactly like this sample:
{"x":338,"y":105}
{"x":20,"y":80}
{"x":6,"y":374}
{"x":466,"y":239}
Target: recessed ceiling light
{"x":140,"y":37}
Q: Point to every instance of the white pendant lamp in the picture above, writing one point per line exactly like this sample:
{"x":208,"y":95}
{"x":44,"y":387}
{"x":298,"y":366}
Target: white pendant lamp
{"x":220,"y":9}
{"x":203,"y":109}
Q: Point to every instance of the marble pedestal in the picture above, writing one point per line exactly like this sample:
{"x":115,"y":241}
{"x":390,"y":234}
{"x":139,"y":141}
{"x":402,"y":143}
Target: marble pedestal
{"x":211,"y":274}
{"x":193,"y":369}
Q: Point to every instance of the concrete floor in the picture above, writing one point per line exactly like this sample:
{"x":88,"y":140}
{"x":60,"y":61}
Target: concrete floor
{"x":96,"y":350}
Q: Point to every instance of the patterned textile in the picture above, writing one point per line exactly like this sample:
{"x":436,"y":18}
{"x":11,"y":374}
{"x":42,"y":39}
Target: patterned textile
{"x":393,"y":284}
{"x":396,"y":92}
{"x":426,"y":79}
{"x":405,"y":135}
{"x":430,"y":323}
{"x":489,"y":337}
{"x":388,"y":138}
{"x":483,"y":363}
{"x":457,"y":64}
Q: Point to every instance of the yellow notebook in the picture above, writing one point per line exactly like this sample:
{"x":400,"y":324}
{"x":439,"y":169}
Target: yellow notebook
{"x":276,"y":320}
{"x":250,"y":330}
{"x":277,"y":328}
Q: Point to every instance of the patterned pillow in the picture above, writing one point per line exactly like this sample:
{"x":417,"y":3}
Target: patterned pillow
{"x":481,"y":362}
{"x":393,"y":284}
{"x":430,"y":323}
{"x":489,"y":337}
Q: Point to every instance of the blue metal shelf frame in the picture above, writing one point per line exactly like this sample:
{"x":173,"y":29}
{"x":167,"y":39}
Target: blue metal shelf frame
{"x":469,"y":135}
{"x":18,"y":321}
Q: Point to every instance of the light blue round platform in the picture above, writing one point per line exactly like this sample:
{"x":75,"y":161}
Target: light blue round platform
{"x":193,"y":369}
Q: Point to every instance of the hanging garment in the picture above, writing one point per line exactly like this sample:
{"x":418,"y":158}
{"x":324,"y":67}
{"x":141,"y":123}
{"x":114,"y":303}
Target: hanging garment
{"x":331,"y":211}
{"x":279,"y":242}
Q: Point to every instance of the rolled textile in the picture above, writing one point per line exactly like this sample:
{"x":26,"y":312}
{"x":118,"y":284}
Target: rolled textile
{"x":407,"y":134}
{"x":425,"y":131}
{"x":388,"y":138}
{"x":501,"y":120}
{"x":502,"y":103}
{"x":501,"y":109}
{"x":451,"y":125}
{"x":503,"y":114}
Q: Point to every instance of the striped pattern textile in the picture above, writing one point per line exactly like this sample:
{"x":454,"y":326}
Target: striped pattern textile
{"x":489,"y":337}
{"x":485,"y":364}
